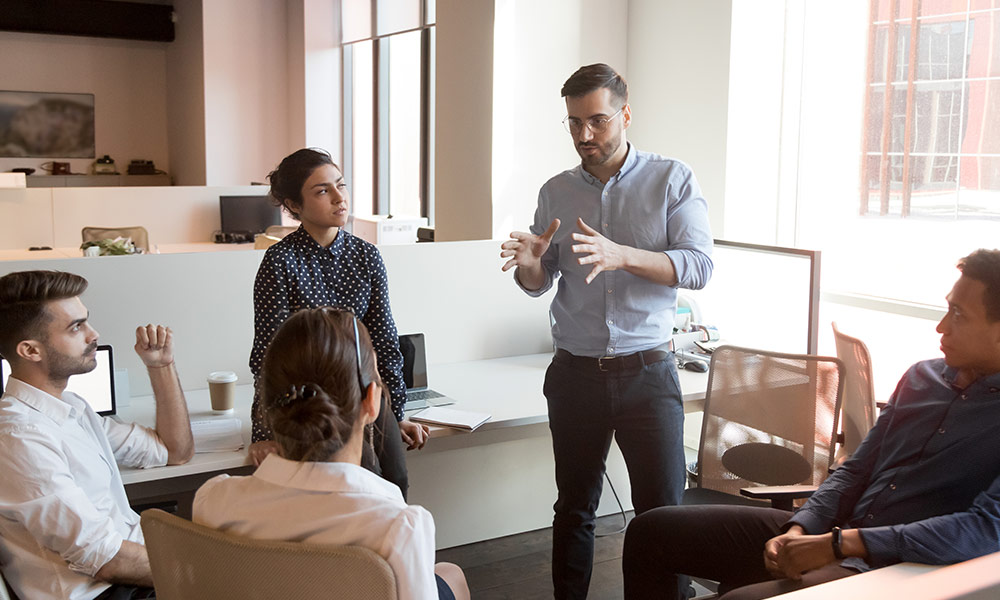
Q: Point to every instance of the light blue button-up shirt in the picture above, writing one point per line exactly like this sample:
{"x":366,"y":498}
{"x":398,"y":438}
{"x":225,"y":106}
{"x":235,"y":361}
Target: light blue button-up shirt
{"x":652,"y":203}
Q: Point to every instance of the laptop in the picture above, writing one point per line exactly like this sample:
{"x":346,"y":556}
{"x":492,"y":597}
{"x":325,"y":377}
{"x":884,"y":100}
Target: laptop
{"x":96,"y":387}
{"x":418,"y":395}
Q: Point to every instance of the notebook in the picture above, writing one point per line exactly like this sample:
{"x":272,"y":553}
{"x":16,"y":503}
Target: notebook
{"x":418,"y":395}
{"x":96,"y":387}
{"x":459,"y":419}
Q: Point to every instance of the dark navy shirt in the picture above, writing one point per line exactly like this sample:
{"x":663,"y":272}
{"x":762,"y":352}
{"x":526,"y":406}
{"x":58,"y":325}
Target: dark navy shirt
{"x":298,"y":273}
{"x":924,"y":486}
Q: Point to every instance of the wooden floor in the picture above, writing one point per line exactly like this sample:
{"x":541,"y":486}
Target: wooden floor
{"x":518,"y":566}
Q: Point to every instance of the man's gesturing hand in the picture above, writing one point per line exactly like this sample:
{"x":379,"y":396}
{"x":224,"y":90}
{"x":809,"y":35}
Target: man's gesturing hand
{"x":155,"y":345}
{"x":526,"y":249}
{"x":604,"y":254}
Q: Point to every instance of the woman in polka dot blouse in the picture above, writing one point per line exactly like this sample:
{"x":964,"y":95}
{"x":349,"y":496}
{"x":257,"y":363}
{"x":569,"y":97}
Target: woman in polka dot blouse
{"x":320,"y":264}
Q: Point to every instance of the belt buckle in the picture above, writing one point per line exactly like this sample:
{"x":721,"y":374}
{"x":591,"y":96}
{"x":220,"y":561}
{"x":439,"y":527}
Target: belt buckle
{"x":600,"y":363}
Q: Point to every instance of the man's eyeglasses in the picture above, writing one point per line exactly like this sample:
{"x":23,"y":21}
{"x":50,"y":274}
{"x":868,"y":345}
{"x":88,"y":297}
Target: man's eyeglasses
{"x":595,"y":124}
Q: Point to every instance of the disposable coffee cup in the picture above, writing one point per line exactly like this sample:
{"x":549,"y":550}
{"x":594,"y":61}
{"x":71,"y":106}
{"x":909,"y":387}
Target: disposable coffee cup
{"x":222,"y":390}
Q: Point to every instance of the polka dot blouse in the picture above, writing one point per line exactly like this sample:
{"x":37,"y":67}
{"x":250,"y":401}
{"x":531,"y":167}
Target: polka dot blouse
{"x":299,"y":273}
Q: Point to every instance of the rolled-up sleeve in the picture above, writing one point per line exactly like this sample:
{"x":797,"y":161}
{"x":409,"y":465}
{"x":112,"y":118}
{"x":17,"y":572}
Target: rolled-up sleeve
{"x":49,"y":504}
{"x":688,"y":230}
{"x":550,"y":260}
{"x":135,"y":445}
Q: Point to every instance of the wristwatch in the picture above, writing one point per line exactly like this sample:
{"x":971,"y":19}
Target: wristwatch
{"x":837,"y":538}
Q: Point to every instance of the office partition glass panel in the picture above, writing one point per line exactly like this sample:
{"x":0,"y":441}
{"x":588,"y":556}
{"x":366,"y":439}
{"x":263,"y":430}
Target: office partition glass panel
{"x":762,"y":297}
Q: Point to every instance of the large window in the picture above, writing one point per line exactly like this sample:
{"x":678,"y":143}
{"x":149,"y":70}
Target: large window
{"x":868,"y":130}
{"x":388,"y":105}
{"x":932,"y":118}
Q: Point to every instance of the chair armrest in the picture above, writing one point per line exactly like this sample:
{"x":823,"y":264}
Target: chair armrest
{"x":781,"y":496}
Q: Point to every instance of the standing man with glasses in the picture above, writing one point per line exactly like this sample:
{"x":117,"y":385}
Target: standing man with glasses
{"x":637,"y":229}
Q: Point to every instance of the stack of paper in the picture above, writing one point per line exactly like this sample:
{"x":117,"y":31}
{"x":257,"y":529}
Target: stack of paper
{"x":450,"y":417}
{"x":217,"y":435}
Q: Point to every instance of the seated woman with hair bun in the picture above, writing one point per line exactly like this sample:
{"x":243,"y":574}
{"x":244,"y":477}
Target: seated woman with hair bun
{"x":319,"y":388}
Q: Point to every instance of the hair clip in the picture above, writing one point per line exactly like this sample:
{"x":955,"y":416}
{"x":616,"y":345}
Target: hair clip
{"x":295,"y":392}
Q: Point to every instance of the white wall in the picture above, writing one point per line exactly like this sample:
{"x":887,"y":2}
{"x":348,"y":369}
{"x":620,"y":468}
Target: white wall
{"x":246,"y":100}
{"x":127,"y":78}
{"x":186,"y":95}
{"x":678,"y":57}
{"x":538,"y":45}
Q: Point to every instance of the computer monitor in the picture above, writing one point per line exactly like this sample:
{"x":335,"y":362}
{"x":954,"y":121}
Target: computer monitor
{"x":97,"y":387}
{"x":248,"y":214}
{"x":763,"y":297}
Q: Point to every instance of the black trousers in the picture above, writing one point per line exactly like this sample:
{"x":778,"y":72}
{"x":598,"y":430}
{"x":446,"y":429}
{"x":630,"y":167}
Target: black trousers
{"x":641,"y":408}
{"x":721,"y":543}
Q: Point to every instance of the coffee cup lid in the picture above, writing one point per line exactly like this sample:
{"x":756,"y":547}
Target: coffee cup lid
{"x":221,"y":377}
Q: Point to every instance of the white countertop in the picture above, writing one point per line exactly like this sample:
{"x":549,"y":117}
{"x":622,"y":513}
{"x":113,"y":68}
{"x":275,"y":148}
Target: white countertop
{"x":509,"y":389}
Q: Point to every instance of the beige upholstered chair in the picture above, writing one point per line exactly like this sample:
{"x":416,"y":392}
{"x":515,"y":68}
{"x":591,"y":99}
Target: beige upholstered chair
{"x":139,"y":235}
{"x":192,"y":561}
{"x":5,"y":593}
{"x":770,"y":420}
{"x":858,"y":414}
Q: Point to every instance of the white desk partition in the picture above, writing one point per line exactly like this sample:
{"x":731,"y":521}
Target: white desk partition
{"x":453,"y":292}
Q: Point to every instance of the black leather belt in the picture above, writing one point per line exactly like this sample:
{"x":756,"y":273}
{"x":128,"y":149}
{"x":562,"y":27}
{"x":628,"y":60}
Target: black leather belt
{"x":613,"y":363}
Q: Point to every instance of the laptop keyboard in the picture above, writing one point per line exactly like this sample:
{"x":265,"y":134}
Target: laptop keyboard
{"x":423,"y":395}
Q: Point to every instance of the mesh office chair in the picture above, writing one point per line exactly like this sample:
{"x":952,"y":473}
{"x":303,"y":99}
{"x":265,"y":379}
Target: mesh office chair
{"x":770,"y":420}
{"x":858,"y":414}
{"x":193,"y":561}
{"x":139,"y":235}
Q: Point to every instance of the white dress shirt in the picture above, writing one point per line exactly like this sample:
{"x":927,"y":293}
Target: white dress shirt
{"x":326,"y":503}
{"x":63,"y":506}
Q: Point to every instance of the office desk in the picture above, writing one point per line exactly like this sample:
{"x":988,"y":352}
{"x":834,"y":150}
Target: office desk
{"x":178,"y":483}
{"x":71,"y":252}
{"x":509,"y":389}
{"x":879,"y":583}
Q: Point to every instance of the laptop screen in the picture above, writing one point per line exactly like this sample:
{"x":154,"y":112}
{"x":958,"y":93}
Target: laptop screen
{"x":414,"y":360}
{"x":96,"y":387}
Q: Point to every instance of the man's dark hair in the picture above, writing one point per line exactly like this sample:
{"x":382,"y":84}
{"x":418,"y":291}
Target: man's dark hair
{"x":594,"y":77}
{"x":984,"y":266}
{"x":23,"y":297}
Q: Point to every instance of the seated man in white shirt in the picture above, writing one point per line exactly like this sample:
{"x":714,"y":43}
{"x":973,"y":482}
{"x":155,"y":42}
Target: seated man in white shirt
{"x":67,"y":529}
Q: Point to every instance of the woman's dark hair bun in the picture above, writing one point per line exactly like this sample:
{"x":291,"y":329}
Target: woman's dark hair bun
{"x":293,"y":171}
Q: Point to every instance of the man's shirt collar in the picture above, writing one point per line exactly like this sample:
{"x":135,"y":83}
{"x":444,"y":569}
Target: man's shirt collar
{"x":59,"y":410}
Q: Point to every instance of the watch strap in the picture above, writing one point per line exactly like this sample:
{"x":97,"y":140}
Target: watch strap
{"x":836,"y":540}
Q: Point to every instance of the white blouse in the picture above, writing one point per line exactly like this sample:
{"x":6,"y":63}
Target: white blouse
{"x":326,"y":503}
{"x":63,"y":504}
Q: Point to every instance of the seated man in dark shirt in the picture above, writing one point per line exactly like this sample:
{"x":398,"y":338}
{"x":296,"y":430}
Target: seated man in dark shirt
{"x":924,"y":486}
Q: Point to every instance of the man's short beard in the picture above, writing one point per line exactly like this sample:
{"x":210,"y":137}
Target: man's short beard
{"x":64,"y":366}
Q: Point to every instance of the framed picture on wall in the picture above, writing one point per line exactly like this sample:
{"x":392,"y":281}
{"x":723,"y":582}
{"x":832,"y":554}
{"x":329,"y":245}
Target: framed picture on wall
{"x":46,"y":125}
